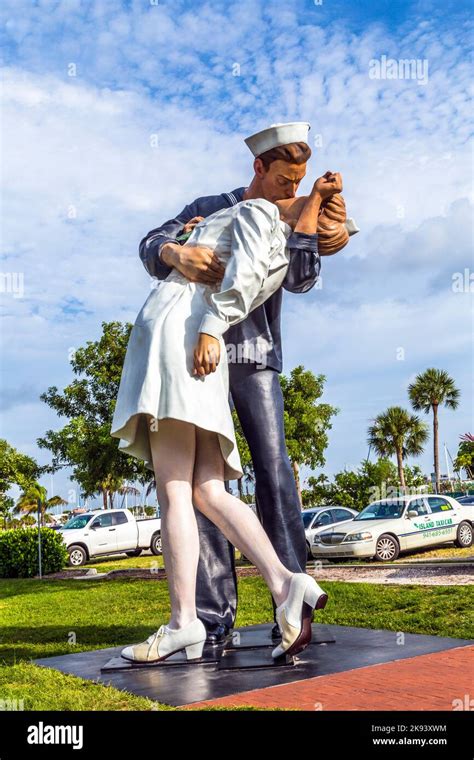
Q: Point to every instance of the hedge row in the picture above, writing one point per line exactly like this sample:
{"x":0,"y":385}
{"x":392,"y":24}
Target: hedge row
{"x":19,"y":552}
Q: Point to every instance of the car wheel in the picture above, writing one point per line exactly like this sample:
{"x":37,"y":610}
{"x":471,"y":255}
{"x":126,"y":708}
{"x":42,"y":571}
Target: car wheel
{"x":155,"y":545}
{"x":77,"y":556}
{"x":464,"y":535}
{"x":308,"y":552}
{"x":135,"y":553}
{"x":387,"y":548}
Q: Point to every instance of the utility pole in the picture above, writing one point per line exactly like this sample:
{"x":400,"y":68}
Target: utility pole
{"x":39,"y":539}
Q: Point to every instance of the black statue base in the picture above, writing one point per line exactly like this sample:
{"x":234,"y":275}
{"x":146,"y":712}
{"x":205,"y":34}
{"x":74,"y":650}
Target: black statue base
{"x":244,"y":648}
{"x":245,"y":659}
{"x":244,"y":662}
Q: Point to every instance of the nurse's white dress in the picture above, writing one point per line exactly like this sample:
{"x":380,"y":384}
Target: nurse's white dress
{"x":157,"y":380}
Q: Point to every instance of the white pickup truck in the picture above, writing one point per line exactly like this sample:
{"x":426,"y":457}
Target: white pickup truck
{"x":110,"y":531}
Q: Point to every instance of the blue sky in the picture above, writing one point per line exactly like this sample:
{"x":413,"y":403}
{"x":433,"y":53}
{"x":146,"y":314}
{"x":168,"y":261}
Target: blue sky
{"x":115,"y":115}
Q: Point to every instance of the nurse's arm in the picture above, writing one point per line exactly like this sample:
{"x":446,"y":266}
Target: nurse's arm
{"x":252,"y":230}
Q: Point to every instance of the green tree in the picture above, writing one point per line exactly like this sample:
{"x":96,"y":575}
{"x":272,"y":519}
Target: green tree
{"x":6,"y":507}
{"x":16,"y":468}
{"x":353,"y":488}
{"x":34,"y":499}
{"x":397,"y":432}
{"x":85,"y":443}
{"x":465,"y":456}
{"x":245,"y":456}
{"x":319,"y":492}
{"x":306,"y":421}
{"x":414,"y":477}
{"x":432,"y":389}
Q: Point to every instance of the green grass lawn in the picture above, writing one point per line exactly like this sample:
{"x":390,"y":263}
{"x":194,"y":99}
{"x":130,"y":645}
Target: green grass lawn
{"x":121,"y":562}
{"x":45,"y":618}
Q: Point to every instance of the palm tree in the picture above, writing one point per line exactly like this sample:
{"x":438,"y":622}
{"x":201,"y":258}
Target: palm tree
{"x":127,"y":490}
{"x":150,"y":489}
{"x":24,"y":522}
{"x":431,"y":389}
{"x":397,"y":432}
{"x":34,"y":497}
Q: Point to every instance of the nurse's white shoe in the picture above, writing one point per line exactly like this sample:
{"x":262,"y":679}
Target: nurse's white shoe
{"x":166,"y":641}
{"x":295,"y":615}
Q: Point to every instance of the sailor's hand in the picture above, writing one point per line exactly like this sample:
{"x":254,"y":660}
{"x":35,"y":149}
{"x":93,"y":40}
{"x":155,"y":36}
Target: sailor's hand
{"x":206,"y":354}
{"x":189,"y":226}
{"x":329,"y":184}
{"x":197,"y":263}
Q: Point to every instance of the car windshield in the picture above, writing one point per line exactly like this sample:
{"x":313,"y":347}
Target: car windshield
{"x":382,"y":510}
{"x":307,"y":518}
{"x":80,"y":521}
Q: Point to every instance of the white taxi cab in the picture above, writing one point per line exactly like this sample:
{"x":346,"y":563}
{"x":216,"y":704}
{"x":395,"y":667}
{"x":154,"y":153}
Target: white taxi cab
{"x":390,"y":526}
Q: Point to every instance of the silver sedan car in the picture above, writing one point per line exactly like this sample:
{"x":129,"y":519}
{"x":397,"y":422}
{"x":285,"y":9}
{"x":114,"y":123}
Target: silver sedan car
{"x":317,"y":519}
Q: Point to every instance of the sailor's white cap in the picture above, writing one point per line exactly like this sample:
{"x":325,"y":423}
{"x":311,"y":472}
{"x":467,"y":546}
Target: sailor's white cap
{"x":278,"y":134}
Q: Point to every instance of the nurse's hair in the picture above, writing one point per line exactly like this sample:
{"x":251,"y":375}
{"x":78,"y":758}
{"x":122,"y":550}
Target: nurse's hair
{"x":332,"y":231}
{"x":293,"y":153}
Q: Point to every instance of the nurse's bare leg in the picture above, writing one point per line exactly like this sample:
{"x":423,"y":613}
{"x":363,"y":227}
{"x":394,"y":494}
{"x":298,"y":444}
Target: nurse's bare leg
{"x":173,"y":447}
{"x":234,"y":518}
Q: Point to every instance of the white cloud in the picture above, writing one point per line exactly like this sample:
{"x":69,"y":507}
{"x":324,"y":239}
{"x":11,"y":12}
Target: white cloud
{"x":83,"y":144}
